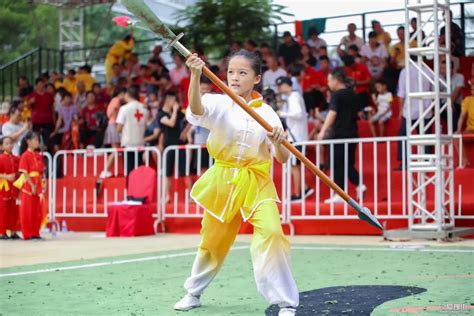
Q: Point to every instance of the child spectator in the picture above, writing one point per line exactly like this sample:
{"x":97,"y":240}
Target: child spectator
{"x":91,"y":122}
{"x":383,"y":101}
{"x":375,"y":67}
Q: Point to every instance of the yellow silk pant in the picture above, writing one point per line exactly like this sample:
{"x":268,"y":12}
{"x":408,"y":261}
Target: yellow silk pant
{"x":270,"y":251}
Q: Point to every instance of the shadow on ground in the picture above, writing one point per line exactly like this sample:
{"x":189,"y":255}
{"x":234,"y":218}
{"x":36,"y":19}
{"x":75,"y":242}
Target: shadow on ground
{"x":347,"y":300}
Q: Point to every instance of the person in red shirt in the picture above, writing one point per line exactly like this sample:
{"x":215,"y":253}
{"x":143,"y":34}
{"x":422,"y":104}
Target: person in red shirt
{"x":29,"y":183}
{"x":42,"y":111}
{"x":9,"y":219}
{"x":92,"y":117}
{"x":361,"y":75}
{"x":314,"y":86}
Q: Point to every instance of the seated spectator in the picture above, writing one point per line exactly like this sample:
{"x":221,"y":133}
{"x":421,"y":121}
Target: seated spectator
{"x":179,"y":72}
{"x":116,"y":74}
{"x":235,"y":46}
{"x":92,"y":122}
{"x":251,"y":46}
{"x":23,"y":86}
{"x":354,"y":51}
{"x":382,"y":36}
{"x":155,"y":70}
{"x":102,"y":96}
{"x":383,"y":100}
{"x":373,"y":48}
{"x":15,"y":128}
{"x":306,"y":54}
{"x":457,"y":87}
{"x":397,"y":51}
{"x":314,"y":87}
{"x":333,"y":62}
{"x":67,"y":113}
{"x":272,"y":74}
{"x":295,"y":73}
{"x":80,"y":99}
{"x":70,"y":82}
{"x":315,"y":42}
{"x":324,"y":66}
{"x":56,"y":79}
{"x":156,"y":54}
{"x":467,"y":117}
{"x":265,"y":52}
{"x":376,"y":67}
{"x":288,"y":51}
{"x":84,"y":75}
{"x":458,"y":38}
{"x":348,"y":40}
{"x":361,"y":76}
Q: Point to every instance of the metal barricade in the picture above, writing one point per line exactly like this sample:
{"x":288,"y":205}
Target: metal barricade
{"x":49,"y":188}
{"x":75,"y":192}
{"x":184,"y":164}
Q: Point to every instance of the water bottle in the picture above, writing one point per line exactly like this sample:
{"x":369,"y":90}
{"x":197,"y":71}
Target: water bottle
{"x":53,"y":230}
{"x":63,"y":227}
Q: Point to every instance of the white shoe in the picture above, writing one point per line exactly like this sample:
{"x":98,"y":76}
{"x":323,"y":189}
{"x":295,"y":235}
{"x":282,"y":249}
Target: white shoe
{"x":105,"y":174}
{"x":287,"y":311}
{"x":361,"y":188}
{"x":334,"y":200}
{"x":188,"y":302}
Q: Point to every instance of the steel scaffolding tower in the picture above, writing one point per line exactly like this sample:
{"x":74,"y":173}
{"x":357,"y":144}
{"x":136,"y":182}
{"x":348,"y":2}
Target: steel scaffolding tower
{"x":429,"y":149}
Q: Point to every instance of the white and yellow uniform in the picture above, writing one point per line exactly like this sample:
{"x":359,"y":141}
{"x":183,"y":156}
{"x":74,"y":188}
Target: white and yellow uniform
{"x":238,"y":187}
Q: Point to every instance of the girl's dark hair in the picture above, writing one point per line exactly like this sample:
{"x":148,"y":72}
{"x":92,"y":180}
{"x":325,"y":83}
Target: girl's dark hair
{"x":24,"y":142}
{"x":341,"y":75}
{"x":2,"y":140}
{"x":253,"y":58}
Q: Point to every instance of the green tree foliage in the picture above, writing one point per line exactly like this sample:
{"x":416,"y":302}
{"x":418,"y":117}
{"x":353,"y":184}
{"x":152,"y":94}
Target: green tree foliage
{"x":212,"y":24}
{"x":25,"y":26}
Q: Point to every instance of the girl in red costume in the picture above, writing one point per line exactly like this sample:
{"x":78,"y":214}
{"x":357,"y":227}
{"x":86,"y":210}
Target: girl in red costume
{"x":8,"y":193}
{"x":30,"y":184}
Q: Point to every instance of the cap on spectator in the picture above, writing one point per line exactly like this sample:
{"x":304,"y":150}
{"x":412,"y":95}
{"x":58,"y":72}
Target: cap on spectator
{"x":286,"y":34}
{"x":282,"y":80}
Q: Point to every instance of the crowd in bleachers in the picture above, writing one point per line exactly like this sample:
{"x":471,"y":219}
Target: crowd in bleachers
{"x":72,"y":110}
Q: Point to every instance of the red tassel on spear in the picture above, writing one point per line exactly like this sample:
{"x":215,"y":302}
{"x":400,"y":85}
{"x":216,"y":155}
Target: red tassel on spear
{"x":146,"y":15}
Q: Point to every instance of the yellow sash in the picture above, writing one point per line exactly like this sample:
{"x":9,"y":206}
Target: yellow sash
{"x":4,"y":185}
{"x":20,"y":182}
{"x":246,"y":189}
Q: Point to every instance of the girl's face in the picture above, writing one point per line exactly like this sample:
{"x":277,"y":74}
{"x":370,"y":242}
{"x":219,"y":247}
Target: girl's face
{"x":33,"y":143}
{"x":240,"y":76}
{"x":7,"y":145}
{"x":380,"y":87}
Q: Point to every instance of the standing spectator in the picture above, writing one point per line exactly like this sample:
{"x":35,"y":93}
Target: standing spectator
{"x":131,"y":123}
{"x":396,"y":60}
{"x":70,"y":83}
{"x":296,"y":118}
{"x":467,"y":115}
{"x":156,"y":54}
{"x":31,"y":167}
{"x":341,"y":122}
{"x":457,"y":87}
{"x":348,"y":40}
{"x":295,"y":73}
{"x":315,"y":42}
{"x":56,"y":80}
{"x":414,"y":26}
{"x":382,"y":36}
{"x":117,"y":53}
{"x":171,"y":122}
{"x":374,"y":48}
{"x":9,"y":217}
{"x":15,"y":129}
{"x":156,"y":69}
{"x":458,"y":38}
{"x":361,"y":76}
{"x":131,"y":66}
{"x":116,"y":75}
{"x":179,"y":72}
{"x":289,"y":51}
{"x":66,"y":115}
{"x":272,"y":74}
{"x":383,"y":101}
{"x":91,"y":122}
{"x":42,"y":115}
{"x":416,"y":103}
{"x":84,"y":75}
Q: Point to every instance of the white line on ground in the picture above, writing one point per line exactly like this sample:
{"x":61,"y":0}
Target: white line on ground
{"x":185,"y":254}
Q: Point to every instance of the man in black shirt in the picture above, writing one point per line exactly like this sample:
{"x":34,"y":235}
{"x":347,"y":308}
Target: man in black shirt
{"x":289,"y":51}
{"x":340,"y":123}
{"x":458,"y":38}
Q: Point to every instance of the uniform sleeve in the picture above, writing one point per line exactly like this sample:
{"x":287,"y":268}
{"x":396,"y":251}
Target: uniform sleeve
{"x":272,"y":118}
{"x":213,"y":105}
{"x":121,"y":116}
{"x":24,"y":165}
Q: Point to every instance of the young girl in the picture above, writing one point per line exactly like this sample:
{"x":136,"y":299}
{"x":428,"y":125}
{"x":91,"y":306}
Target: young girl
{"x":30,"y":183}
{"x":8,"y":193}
{"x":238,"y":187}
{"x":384,"y":108}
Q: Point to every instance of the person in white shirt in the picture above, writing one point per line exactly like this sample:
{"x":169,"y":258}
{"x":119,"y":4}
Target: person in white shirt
{"x":348,"y":40}
{"x":383,"y":101}
{"x":15,"y":129}
{"x":374,"y":48}
{"x":295,"y":116}
{"x":272,"y":74}
{"x":315,"y":42}
{"x":131,"y":123}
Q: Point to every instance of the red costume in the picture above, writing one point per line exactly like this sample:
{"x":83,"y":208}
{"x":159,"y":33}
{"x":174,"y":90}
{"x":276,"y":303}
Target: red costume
{"x":31,"y":215}
{"x":8,"y":195}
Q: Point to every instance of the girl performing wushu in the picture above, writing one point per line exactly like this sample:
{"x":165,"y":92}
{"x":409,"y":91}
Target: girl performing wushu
{"x":238,"y":187}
